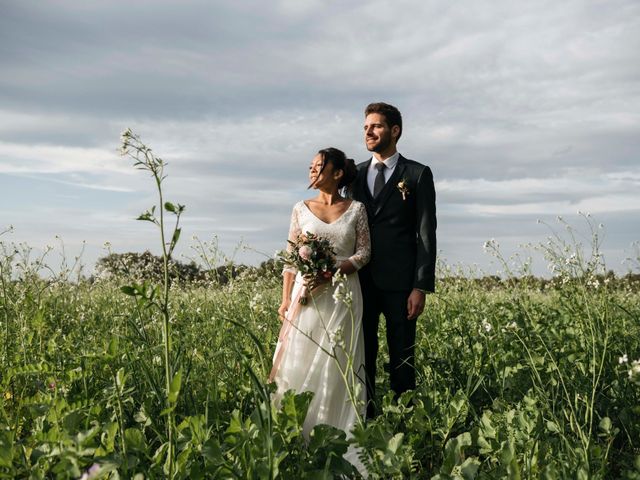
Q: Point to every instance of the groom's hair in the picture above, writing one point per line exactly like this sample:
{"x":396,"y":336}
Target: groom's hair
{"x":391,"y":114}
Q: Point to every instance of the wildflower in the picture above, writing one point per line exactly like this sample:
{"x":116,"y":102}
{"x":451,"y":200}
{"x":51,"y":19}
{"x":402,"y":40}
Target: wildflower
{"x":634,"y":372}
{"x":342,"y":293}
{"x":491,"y":245}
{"x":7,"y":396}
{"x":256,"y":304}
{"x":486,"y":325}
{"x":623,"y":359}
{"x":594,"y":282}
{"x":93,"y":472}
{"x":336,"y":338}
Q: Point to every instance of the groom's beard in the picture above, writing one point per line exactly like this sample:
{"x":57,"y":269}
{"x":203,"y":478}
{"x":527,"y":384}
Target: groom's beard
{"x":381,"y":146}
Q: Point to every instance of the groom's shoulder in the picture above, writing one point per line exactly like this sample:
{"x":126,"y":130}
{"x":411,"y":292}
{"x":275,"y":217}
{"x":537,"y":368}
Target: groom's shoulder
{"x":412,"y":163}
{"x":414,"y":166}
{"x":363,"y":165}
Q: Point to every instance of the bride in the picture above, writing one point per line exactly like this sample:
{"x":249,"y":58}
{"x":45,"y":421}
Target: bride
{"x":322,"y":350}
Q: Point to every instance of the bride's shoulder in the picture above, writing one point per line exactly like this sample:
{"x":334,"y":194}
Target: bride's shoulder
{"x":301,"y":206}
{"x":356,"y":205}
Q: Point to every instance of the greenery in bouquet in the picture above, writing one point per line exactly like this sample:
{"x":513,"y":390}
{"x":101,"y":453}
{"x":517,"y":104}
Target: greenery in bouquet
{"x":313,"y":257}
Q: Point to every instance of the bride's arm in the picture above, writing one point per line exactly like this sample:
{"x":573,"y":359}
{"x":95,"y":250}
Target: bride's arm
{"x":288,"y":279}
{"x":289,"y":273}
{"x":363,"y":245}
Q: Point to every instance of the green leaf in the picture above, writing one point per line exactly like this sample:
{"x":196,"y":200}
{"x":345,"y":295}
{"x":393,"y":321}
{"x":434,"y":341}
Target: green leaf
{"x":112,"y":348}
{"x":605,"y":425}
{"x":6,"y":449}
{"x":135,"y":439}
{"x":128,"y":290}
{"x":175,"y":387}
{"x":212,"y":452}
{"x":395,"y":442}
{"x":121,"y":378}
{"x":469,"y":468}
{"x":176,"y":236}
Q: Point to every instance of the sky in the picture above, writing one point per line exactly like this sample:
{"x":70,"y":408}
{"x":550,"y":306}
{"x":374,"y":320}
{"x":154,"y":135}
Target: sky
{"x":525,"y":111}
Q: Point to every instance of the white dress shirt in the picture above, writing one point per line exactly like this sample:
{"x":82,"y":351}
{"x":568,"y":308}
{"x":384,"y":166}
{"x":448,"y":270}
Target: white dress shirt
{"x":390,"y":163}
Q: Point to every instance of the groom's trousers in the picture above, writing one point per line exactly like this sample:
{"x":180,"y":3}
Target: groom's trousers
{"x":401,"y":338}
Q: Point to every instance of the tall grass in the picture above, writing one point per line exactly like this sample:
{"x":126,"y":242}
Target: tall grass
{"x":518,"y":377}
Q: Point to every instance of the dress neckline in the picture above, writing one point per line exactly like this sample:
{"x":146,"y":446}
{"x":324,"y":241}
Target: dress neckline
{"x":328,"y":223}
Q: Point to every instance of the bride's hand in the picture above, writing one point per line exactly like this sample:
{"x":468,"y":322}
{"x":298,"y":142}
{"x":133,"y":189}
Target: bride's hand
{"x":313,"y":282}
{"x":282,"y":311}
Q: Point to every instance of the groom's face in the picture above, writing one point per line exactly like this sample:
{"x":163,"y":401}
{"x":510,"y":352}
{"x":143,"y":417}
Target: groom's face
{"x":378,"y":136}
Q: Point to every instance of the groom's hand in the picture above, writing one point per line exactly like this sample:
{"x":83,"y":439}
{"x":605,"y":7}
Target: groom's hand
{"x":415,"y":304}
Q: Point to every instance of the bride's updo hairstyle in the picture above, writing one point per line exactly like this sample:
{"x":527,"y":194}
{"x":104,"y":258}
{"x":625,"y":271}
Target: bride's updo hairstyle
{"x":339,"y":160}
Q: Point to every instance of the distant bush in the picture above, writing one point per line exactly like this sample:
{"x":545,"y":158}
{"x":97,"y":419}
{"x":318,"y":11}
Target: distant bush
{"x":629,"y":282}
{"x":145,"y":266}
{"x":139,"y":267}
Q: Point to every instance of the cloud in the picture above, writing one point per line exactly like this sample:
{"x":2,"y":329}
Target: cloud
{"x":521,"y":110}
{"x":49,"y":159}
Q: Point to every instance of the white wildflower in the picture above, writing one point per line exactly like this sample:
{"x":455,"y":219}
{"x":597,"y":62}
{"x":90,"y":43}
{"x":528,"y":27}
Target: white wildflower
{"x":634,"y":372}
{"x":486,"y":325}
{"x":342,"y":292}
{"x":257,"y":304}
{"x":336,"y":338}
{"x":623,"y":359}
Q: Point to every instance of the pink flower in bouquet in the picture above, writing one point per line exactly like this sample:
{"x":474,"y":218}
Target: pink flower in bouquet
{"x":305,"y":252}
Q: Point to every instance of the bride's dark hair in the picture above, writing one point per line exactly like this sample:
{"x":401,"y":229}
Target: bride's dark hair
{"x":339,"y":160}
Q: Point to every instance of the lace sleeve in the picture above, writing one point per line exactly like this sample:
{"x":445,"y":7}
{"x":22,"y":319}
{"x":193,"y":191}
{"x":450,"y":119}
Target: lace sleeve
{"x":294,"y":232}
{"x":363,"y":243}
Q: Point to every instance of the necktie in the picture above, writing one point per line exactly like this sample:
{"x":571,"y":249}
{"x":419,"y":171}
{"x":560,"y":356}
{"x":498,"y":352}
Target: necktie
{"x":378,"y":185}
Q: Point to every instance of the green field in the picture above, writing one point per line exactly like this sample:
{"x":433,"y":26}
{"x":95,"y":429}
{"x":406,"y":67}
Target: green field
{"x":516,"y":380}
{"x":141,"y":376}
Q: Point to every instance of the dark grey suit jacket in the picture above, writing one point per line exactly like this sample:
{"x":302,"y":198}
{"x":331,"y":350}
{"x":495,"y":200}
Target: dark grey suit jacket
{"x":403,"y":231}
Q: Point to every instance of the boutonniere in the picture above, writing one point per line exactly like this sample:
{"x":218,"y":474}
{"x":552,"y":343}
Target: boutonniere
{"x":404,"y":190}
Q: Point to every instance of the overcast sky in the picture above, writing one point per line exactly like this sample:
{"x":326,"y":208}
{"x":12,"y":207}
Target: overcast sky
{"x":523,"y":110}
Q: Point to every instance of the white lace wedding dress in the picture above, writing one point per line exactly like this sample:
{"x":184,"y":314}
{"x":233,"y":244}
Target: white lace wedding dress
{"x":327,"y":331}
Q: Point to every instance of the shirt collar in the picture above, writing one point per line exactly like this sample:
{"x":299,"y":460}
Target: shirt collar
{"x":389,"y":162}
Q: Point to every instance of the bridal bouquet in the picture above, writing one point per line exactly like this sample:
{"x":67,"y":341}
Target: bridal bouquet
{"x":313,"y":257}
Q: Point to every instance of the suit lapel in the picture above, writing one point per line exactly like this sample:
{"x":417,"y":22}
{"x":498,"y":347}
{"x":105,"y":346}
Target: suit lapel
{"x":397,"y":174}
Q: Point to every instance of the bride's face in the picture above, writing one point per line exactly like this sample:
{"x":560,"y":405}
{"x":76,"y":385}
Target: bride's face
{"x":318,"y":176}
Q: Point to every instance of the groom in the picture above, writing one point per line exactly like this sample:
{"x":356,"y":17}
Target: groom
{"x":400,"y":199}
